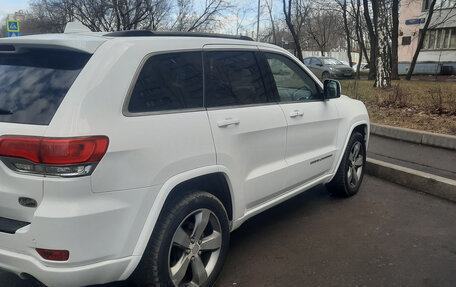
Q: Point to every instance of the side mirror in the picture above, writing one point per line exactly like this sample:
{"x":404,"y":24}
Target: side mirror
{"x":331,"y":89}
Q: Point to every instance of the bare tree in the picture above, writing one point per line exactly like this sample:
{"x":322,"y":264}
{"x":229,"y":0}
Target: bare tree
{"x":190,"y":19}
{"x":395,"y":39}
{"x":287,"y":11}
{"x":356,"y":8}
{"x":343,"y":5}
{"x":240,"y":15}
{"x":271,"y":17}
{"x":129,"y":14}
{"x":52,"y":15}
{"x":322,"y":26}
{"x":117,"y":15}
{"x":158,"y":13}
{"x":96,"y":15}
{"x":383,"y":53}
{"x":421,"y":38}
{"x":372,"y":34}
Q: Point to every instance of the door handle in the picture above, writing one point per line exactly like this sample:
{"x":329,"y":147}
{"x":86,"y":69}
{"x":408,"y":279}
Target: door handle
{"x":296,"y":113}
{"x":228,"y":122}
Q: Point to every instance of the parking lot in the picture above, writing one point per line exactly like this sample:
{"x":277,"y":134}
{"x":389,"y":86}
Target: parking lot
{"x":387,"y":235}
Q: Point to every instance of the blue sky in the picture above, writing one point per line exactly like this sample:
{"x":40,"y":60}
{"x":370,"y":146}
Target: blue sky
{"x":249,"y":23}
{"x":11,"y":6}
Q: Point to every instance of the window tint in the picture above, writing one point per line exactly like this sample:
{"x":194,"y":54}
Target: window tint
{"x":33,"y":83}
{"x":169,"y":82}
{"x":293,"y":83}
{"x":233,"y":78}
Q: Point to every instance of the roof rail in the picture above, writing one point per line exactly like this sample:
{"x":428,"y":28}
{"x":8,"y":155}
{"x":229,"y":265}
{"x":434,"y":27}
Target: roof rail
{"x":147,"y":33}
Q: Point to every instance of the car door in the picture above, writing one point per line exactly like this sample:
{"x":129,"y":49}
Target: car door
{"x":249,"y":129}
{"x":312,"y":121}
{"x":317,"y":67}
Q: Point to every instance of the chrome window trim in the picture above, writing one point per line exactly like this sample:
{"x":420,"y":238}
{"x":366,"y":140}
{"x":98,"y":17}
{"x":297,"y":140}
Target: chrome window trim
{"x":241,"y":106}
{"x":129,"y":114}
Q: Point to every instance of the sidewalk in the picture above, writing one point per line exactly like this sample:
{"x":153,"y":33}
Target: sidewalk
{"x":436,"y":161}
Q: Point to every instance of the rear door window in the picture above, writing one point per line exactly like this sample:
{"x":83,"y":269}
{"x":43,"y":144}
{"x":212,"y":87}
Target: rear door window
{"x":34,"y":81}
{"x":169,"y":82}
{"x":315,"y":61}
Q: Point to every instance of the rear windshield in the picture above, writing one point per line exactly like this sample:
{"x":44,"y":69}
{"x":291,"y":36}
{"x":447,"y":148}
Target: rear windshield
{"x":33,"y":83}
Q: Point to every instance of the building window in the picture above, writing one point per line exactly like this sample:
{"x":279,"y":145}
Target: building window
{"x":426,"y":4}
{"x":437,"y":39}
{"x":445,"y":38}
{"x":431,"y":43}
{"x":406,"y":40}
{"x":453,"y":38}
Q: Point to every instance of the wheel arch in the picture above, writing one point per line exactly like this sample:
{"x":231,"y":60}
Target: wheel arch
{"x":210,"y":178}
{"x":361,"y":127}
{"x":214,"y":183}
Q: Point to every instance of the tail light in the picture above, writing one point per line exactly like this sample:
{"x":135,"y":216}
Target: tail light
{"x":66,"y":157}
{"x":54,"y":255}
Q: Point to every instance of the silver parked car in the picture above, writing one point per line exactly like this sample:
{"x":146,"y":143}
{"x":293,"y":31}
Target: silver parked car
{"x":324,"y":68}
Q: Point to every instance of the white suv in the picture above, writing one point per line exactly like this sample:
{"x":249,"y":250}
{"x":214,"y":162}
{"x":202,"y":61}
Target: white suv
{"x":132,"y":155}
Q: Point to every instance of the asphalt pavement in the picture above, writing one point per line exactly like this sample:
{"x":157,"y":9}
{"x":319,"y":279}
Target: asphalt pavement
{"x":437,"y":161}
{"x":386,"y":235}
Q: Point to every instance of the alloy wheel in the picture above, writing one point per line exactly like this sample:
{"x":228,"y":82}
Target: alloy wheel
{"x":355,"y":164}
{"x":195,"y":249}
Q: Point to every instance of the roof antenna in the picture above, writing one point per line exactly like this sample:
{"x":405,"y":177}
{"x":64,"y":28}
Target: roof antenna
{"x":75,"y":27}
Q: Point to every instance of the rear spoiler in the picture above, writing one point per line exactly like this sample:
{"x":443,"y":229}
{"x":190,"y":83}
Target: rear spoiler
{"x":73,"y":42}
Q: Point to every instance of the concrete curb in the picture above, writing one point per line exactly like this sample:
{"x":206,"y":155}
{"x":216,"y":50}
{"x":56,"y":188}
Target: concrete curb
{"x":421,"y":181}
{"x":415,"y":136}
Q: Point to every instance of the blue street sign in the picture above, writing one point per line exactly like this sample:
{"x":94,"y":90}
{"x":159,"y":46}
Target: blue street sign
{"x":13,"y":34}
{"x":12,"y":26}
{"x":414,"y":21}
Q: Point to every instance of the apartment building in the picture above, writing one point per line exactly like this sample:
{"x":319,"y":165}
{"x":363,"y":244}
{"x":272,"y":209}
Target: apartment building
{"x":438,"y":54}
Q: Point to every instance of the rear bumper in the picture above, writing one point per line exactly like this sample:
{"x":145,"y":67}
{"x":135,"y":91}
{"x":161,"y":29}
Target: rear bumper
{"x":100,"y":231}
{"x":98,"y":273}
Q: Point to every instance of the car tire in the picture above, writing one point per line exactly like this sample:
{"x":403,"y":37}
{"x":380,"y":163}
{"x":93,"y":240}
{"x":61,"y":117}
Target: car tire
{"x":189,"y":244}
{"x":350,"y":173}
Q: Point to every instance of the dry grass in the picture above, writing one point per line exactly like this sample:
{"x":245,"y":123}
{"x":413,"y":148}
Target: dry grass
{"x":422,"y":105}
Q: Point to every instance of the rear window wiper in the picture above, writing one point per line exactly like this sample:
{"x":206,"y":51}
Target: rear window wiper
{"x":6,"y":112}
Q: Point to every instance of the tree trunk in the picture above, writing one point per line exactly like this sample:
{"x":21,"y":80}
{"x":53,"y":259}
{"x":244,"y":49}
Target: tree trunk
{"x":358,"y":67}
{"x":271,"y":17}
{"x":347,"y":33}
{"x":292,"y":29}
{"x":421,"y":40}
{"x":395,"y":41}
{"x":382,"y":63}
{"x":372,"y":39}
{"x":359,"y":37}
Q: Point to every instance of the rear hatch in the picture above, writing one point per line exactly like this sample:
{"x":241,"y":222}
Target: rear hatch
{"x":34,"y":80}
